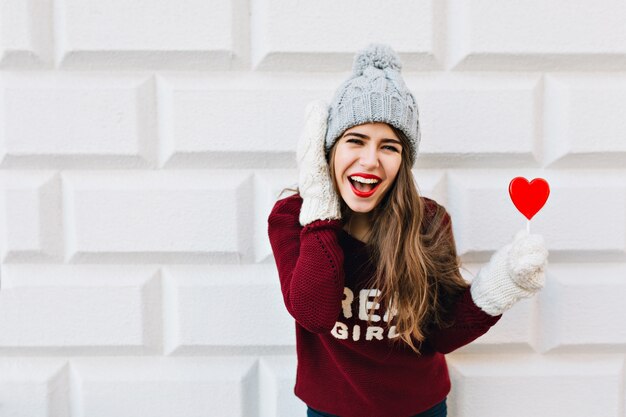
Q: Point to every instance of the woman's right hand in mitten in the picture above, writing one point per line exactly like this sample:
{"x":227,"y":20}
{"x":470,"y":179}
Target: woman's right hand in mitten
{"x":319,"y":199}
{"x":514,"y":272}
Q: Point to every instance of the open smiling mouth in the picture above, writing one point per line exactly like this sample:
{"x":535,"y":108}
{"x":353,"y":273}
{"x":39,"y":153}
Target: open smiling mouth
{"x":363,"y":190}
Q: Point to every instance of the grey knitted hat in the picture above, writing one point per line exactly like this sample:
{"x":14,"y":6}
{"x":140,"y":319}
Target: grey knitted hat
{"x":375,"y":92}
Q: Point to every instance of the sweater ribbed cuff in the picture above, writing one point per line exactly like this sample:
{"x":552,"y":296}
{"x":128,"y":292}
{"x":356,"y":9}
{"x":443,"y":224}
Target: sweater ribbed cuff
{"x":326,"y":233}
{"x":473,"y":314}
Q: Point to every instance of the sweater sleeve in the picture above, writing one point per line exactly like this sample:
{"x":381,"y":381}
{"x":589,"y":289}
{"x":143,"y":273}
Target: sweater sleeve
{"x":310,"y":265}
{"x":469,"y":323}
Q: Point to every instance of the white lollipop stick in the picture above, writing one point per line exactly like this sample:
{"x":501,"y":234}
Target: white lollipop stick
{"x":528,"y":226}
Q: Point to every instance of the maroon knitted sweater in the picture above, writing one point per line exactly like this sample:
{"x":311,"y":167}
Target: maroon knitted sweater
{"x":346,"y":367}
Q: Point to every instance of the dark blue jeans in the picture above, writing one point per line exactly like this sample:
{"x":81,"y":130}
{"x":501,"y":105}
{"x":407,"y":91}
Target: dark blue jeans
{"x":439,"y":410}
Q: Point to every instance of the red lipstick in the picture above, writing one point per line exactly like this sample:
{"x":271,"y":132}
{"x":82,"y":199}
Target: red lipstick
{"x":366,"y":176}
{"x":364,"y":194}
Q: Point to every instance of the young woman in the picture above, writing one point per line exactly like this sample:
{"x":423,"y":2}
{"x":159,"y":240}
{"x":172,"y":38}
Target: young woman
{"x":368,"y":268}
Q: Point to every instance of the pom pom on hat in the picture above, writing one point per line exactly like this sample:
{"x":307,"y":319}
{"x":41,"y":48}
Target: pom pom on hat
{"x":377,"y":55}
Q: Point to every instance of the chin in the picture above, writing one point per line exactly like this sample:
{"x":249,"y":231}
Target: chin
{"x":363,"y":208}
{"x":360,"y":206}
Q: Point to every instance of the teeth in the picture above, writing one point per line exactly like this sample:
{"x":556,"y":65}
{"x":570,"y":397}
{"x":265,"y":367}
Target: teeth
{"x":364,"y":180}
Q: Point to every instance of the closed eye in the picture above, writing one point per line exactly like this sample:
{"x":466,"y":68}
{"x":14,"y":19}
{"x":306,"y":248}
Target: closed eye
{"x":354,"y":140}
{"x":359,"y":141}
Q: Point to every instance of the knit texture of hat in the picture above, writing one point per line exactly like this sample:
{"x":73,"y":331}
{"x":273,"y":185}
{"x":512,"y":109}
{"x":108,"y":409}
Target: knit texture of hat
{"x":375,"y":92}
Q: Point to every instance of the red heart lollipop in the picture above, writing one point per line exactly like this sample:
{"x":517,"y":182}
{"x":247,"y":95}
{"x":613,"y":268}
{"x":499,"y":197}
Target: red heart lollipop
{"x":529,"y":198}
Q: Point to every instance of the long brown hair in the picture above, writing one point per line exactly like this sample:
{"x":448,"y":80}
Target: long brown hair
{"x":412,"y":246}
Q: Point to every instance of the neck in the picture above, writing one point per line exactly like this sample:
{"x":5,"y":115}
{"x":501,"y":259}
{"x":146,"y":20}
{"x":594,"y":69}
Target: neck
{"x":358,"y":225}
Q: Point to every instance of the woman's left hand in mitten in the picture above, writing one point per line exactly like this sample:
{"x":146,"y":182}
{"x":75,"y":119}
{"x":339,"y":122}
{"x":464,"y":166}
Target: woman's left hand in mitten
{"x":515,"y":271}
{"x":527,"y":261}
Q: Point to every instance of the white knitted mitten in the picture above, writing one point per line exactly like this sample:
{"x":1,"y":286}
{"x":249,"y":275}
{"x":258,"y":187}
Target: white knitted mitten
{"x":514,"y":272}
{"x":319,"y":199}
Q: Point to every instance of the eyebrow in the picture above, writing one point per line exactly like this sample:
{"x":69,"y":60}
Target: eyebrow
{"x":362,"y":136}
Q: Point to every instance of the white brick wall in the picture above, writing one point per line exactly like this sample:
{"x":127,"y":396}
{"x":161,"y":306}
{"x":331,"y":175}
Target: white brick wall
{"x":143,"y":144}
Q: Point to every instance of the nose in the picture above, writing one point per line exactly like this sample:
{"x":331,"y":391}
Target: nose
{"x":369,"y":157}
